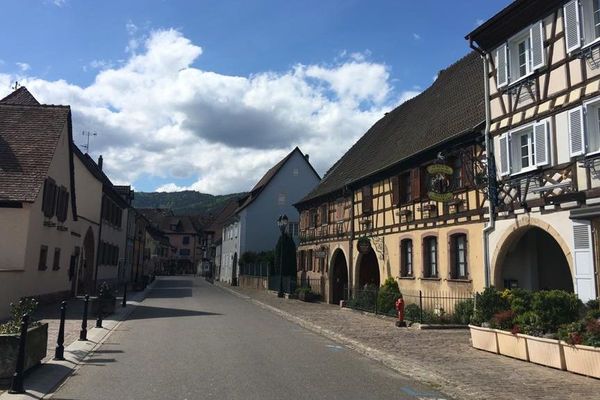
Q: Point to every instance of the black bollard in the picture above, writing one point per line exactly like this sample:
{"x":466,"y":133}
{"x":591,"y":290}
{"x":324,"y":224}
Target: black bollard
{"x":16,"y":385}
{"x":59,"y":353}
{"x":83,"y":332}
{"x":124,"y":295}
{"x":99,"y":318}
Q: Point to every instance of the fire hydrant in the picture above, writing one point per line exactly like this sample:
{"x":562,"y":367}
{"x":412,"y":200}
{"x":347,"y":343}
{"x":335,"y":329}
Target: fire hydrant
{"x":400,"y":310}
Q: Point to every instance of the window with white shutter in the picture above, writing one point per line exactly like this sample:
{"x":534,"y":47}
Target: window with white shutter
{"x":504,"y":154}
{"x":572,"y":25}
{"x":591,"y":112}
{"x":541,"y":143}
{"x":584,"y":260}
{"x":502,"y":65}
{"x":536,"y":33}
{"x":589,"y":21}
{"x":576,"y":131}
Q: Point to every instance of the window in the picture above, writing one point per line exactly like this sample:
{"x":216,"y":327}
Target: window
{"x":111,"y":212}
{"x":324,"y":214}
{"x":584,"y":128}
{"x":406,"y":258}
{"x":521,"y":55}
{"x":184,"y":252}
{"x":293,"y":229}
{"x":42,"y":266}
{"x":458,"y":179}
{"x":56,"y":260}
{"x":524,"y":149}
{"x":295,"y":172}
{"x":309,"y":261}
{"x":339,"y":211}
{"x":49,"y":199}
{"x":367,"y":199}
{"x":313,"y":218}
{"x":430,"y":257}
{"x":62,"y":204}
{"x":301,"y":260}
{"x":281,"y":198}
{"x":186,"y":240}
{"x":458,"y":256}
{"x":405,"y":188}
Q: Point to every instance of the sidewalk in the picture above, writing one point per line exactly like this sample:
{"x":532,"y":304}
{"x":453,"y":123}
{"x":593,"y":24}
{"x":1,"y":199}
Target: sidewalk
{"x":441,"y":358}
{"x":43,"y":379}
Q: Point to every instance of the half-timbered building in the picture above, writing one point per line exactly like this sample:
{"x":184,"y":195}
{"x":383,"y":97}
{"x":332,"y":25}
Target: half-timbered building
{"x":543,"y":64}
{"x":406,"y":201}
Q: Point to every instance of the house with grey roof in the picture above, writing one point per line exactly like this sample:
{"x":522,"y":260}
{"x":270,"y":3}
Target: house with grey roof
{"x":39,"y":239}
{"x":407,"y":200}
{"x":253,"y":225}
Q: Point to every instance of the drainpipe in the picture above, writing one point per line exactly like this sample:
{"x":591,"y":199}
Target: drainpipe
{"x":490,"y":226}
{"x":351,"y":277}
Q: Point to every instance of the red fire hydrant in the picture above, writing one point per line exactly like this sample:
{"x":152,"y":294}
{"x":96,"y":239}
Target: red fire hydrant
{"x":400,"y":310}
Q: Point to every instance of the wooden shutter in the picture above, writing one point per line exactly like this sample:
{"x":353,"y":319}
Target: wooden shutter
{"x":502,"y":65}
{"x":584,"y":260}
{"x":415,"y":180}
{"x":395,"y":183}
{"x":367,"y":199}
{"x":536,"y":34}
{"x":540,"y":136}
{"x":504,"y":155}
{"x":576,"y":132}
{"x":571,"y":18}
{"x":46,"y":198}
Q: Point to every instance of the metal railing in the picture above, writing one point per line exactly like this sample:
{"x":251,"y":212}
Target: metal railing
{"x":256,"y":269}
{"x":430,"y":307}
{"x":316,"y":285}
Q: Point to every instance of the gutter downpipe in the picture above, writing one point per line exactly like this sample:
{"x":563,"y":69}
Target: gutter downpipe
{"x":491,"y":225}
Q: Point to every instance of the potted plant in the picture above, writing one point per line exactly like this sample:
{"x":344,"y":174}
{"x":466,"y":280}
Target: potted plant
{"x":581,"y":345}
{"x":305,"y":294}
{"x":509,"y":343}
{"x":37,"y":339}
{"x":105,"y":302}
{"x":488,"y":304}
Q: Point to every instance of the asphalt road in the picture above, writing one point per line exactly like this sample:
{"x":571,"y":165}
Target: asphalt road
{"x":191,"y":340}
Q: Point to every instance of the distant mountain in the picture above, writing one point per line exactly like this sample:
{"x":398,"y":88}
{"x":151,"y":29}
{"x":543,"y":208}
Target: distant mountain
{"x":188,"y":202}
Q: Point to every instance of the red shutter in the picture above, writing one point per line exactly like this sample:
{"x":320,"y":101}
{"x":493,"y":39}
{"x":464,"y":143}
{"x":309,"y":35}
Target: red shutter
{"x":395,"y":183}
{"x":416,"y":183}
{"x":367,"y":199}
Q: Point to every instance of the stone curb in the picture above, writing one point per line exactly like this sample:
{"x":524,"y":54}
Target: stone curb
{"x":49,"y":376}
{"x":409,"y":369}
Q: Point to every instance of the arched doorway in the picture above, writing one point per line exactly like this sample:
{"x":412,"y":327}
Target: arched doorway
{"x":339,"y":276}
{"x":368,"y":269}
{"x":531,"y":258}
{"x":86,"y":274}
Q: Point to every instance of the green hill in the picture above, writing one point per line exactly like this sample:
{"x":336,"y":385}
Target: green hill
{"x":188,"y":202}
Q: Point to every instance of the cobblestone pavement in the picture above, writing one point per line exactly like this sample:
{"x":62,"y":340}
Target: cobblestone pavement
{"x":441,"y":358}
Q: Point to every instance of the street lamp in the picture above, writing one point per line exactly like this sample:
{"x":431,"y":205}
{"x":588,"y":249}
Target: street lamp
{"x":282,"y":223}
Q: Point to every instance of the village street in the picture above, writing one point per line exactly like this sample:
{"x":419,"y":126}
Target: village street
{"x":192,"y":340}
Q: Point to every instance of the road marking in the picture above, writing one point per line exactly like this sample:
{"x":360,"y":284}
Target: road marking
{"x":334,"y":347}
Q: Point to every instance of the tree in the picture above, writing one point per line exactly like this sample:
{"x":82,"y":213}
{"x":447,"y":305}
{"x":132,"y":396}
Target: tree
{"x":289,"y":256}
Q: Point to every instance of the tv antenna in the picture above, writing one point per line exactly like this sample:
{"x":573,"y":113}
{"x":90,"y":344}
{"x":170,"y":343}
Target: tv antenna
{"x":87,"y":145}
{"x":16,"y":85}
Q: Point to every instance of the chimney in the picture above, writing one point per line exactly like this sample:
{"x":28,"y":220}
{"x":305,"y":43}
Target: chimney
{"x":100,"y":162}
{"x":306,"y":156}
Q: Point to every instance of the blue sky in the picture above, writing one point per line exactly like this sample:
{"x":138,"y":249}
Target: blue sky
{"x":64,"y":48}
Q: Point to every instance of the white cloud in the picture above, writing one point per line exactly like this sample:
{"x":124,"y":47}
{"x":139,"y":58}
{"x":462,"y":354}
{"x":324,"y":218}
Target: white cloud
{"x":416,"y":36}
{"x":479,"y":22}
{"x":158,"y":116}
{"x":23,"y":66}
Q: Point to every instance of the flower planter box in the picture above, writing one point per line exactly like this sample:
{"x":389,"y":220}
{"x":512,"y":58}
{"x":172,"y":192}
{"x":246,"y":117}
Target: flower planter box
{"x":544,"y":351}
{"x":512,"y":345}
{"x":35,"y":350}
{"x":484,"y":338}
{"x":584,"y":360}
{"x":307,"y":297}
{"x":107,"y":305}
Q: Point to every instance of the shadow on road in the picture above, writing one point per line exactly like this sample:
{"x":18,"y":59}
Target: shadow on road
{"x":173,"y":283}
{"x":169,"y":293}
{"x":146,"y":312}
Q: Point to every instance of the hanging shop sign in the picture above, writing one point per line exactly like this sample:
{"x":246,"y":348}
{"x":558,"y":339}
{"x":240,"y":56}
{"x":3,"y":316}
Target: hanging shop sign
{"x":363,"y":245}
{"x":440,"y":182}
{"x":321,"y":253}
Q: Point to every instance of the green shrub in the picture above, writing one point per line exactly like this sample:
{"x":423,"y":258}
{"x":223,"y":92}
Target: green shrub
{"x":412,"y":312}
{"x":529,"y":323}
{"x":555,"y":308}
{"x":463,"y":312}
{"x":519,"y":300}
{"x":489,"y":303}
{"x":503,"y":320}
{"x":17,"y":310}
{"x":364,"y":299}
{"x":387,"y":296}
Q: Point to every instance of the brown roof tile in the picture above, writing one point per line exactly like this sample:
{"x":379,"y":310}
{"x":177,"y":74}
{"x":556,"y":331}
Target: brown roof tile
{"x":20,"y":96}
{"x":28,"y":138}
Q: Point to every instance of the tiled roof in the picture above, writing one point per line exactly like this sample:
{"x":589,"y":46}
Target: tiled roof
{"x":29,"y":135}
{"x":452,"y":106}
{"x":264,"y":181}
{"x":21,"y":96}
